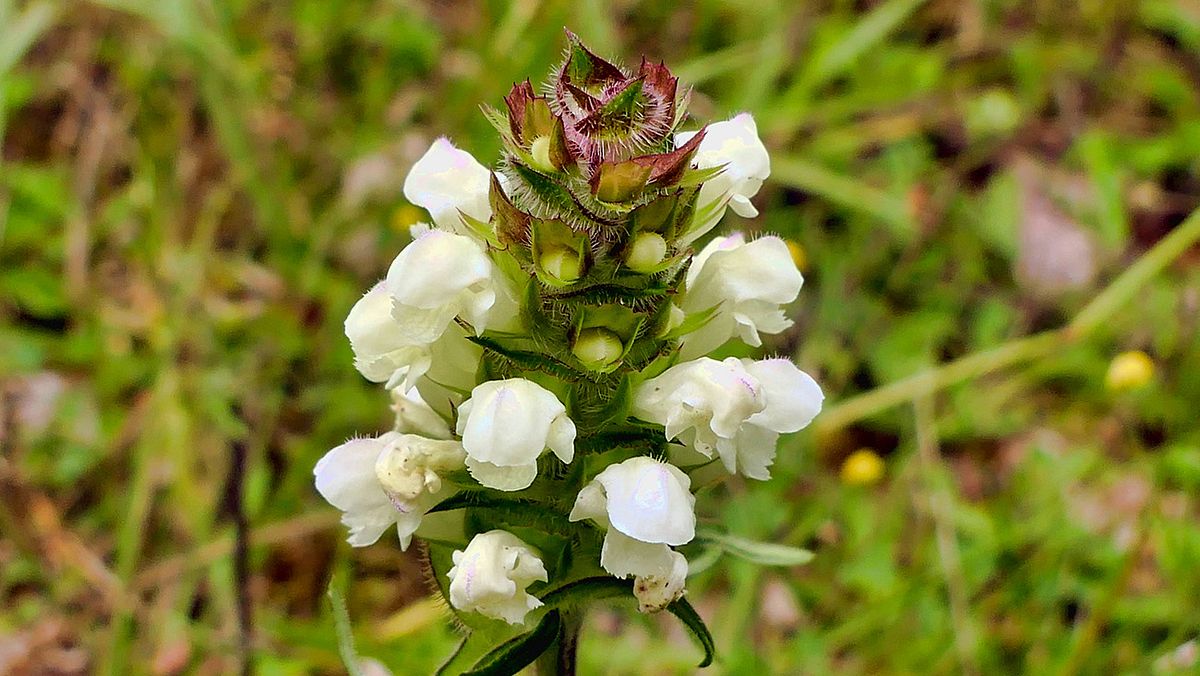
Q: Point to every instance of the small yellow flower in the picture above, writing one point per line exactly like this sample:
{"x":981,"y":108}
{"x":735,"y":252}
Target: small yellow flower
{"x":1129,"y":371}
{"x":799,"y":257}
{"x":862,"y":468}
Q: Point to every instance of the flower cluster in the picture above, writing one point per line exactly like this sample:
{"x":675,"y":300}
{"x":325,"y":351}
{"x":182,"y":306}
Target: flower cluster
{"x":546,"y":341}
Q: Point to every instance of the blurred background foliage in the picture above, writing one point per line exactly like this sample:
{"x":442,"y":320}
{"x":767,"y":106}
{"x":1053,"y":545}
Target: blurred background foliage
{"x":194,"y":192}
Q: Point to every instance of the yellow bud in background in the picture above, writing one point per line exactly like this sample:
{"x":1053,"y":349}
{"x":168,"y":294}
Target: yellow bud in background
{"x":862,"y":468}
{"x":597,"y":348}
{"x":798,"y":256}
{"x":1129,"y":371}
{"x":646,"y":251}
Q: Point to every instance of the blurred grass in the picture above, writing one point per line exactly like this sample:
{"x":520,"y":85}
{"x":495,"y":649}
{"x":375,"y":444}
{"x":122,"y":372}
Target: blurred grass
{"x":193,"y":194}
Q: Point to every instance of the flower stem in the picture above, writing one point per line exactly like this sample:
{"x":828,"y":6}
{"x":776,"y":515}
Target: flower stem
{"x":559,"y":660}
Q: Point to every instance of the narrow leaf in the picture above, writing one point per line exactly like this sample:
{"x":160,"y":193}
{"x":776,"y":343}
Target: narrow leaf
{"x":517,"y":653}
{"x":688,"y":615}
{"x":762,"y":553}
{"x":588,"y":589}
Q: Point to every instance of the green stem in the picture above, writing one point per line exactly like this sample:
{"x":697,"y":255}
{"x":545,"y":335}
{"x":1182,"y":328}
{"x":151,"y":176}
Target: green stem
{"x":560,"y":659}
{"x":1025,"y":349}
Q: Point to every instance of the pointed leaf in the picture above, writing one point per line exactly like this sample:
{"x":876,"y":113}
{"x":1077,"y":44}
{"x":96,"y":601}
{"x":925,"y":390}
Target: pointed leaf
{"x":762,"y":553}
{"x":588,"y":589}
{"x":584,"y":67}
{"x":692,"y":322}
{"x":517,"y":653}
{"x":511,"y":224}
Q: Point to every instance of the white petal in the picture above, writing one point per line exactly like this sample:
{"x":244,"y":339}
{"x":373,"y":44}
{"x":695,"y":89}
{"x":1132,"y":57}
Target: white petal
{"x":793,"y":398}
{"x":446,"y":180}
{"x":412,"y":465}
{"x":734,"y":145}
{"x":755,"y":452}
{"x":507,"y":422}
{"x":700,"y":393}
{"x":507,"y":478}
{"x":591,"y":503}
{"x":414,"y":416}
{"x":748,"y":282}
{"x":561,"y":438}
{"x":366,"y":527}
{"x":649,"y":500}
{"x":370,"y":326}
{"x":742,"y":206}
{"x":345,"y":477}
{"x":623,"y":556}
{"x":435,"y":278}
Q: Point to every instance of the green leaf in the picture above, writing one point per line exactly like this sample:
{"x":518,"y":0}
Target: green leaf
{"x":687,"y":614}
{"x":529,"y":361}
{"x":696,"y":177}
{"x":517,"y":653}
{"x":513,"y":512}
{"x":588,"y":589}
{"x":762,"y":553}
{"x":692,"y":322}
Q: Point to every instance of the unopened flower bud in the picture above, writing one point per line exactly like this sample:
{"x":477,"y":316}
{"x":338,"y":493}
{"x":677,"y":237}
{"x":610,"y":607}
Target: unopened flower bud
{"x":562,"y":264}
{"x":1129,"y":371}
{"x":645,"y":252}
{"x":598,"y":347}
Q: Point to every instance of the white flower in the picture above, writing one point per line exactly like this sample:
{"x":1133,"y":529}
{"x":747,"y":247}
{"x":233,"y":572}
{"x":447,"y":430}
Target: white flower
{"x":414,"y":416}
{"x":349,"y":478}
{"x":436,"y":278}
{"x":646,"y":506}
{"x":447,"y":180}
{"x":749,"y":281}
{"x":735,"y":145}
{"x":382,"y":353}
{"x":506,"y":425}
{"x":736,"y":408}
{"x":655,"y":592}
{"x":490,"y":577}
